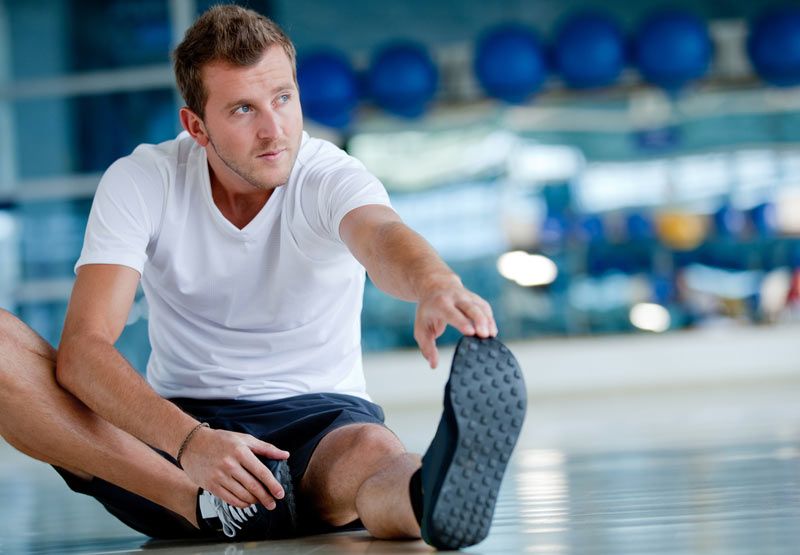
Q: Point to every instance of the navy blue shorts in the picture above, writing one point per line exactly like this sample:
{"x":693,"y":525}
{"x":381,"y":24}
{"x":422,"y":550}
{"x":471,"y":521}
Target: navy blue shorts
{"x":295,"y":424}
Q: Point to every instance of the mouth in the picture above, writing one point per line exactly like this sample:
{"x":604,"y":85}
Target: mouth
{"x":271,"y":154}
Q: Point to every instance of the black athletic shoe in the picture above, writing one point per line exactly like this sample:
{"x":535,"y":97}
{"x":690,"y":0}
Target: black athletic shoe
{"x":254,"y":522}
{"x":484,"y":406}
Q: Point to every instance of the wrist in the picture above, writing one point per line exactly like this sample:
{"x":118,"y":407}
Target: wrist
{"x":187,"y":440}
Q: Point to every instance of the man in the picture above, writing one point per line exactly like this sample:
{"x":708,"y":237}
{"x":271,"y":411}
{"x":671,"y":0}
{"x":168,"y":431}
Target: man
{"x":251,"y":239}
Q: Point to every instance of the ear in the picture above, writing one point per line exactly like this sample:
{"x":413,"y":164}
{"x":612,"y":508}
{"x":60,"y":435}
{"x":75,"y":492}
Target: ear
{"x":194,"y":125}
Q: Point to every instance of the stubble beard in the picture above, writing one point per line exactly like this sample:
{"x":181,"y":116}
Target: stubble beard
{"x":244,"y":173}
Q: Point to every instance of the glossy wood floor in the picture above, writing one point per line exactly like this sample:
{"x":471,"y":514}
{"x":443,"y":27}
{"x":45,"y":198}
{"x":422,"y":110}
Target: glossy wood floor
{"x":711,"y":471}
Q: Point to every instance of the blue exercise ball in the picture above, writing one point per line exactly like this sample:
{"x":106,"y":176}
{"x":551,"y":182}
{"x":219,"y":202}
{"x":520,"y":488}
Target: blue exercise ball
{"x":510,"y":63}
{"x":764,"y":219}
{"x":774,"y":46}
{"x":402,"y":79}
{"x":589,"y":51}
{"x":328,"y":88}
{"x":729,"y":221}
{"x":591,"y":229}
{"x":639,"y":227}
{"x":673,"y":48}
{"x":554,"y":229}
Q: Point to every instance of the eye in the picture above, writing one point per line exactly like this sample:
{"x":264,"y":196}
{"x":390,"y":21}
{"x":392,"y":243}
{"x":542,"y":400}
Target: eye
{"x":284,"y":98}
{"x":243,"y":109}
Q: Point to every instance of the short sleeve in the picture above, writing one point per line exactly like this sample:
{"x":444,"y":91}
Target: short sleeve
{"x":332,"y":192}
{"x":123,"y":218}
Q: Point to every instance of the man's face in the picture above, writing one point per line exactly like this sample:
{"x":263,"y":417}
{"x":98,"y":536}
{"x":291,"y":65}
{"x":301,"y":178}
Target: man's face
{"x":253,"y":122}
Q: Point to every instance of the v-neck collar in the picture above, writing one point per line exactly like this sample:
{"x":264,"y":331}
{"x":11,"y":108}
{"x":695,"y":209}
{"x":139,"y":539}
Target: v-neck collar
{"x":253,"y":226}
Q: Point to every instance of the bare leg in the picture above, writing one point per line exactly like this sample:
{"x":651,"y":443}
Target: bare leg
{"x":46,"y":422}
{"x":363,"y":471}
{"x":383,"y":501}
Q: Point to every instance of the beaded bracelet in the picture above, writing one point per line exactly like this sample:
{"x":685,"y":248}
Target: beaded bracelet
{"x":186,"y":442}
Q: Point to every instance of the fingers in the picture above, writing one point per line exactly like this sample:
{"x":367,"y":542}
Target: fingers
{"x":480,"y":316}
{"x":229,"y":497}
{"x":429,"y":351}
{"x":254,"y":490}
{"x":460,"y":308}
{"x":459,"y":319}
{"x":242,"y":488}
{"x":469,"y":314}
{"x":427,"y":345}
{"x":266,"y":449}
{"x":242,"y":483}
{"x":240,"y":478}
{"x":426,"y":335}
{"x":266,"y":480}
{"x":262,"y":477}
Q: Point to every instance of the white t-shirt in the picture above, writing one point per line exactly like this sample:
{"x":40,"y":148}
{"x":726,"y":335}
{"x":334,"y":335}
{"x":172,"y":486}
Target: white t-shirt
{"x":265,"y":312}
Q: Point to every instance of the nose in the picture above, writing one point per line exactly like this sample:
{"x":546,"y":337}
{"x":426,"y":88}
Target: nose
{"x":269,"y":125}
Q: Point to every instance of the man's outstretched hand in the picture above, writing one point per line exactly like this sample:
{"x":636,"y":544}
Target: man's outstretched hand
{"x":401,"y":263}
{"x":225,"y":464}
{"x":447,"y":301}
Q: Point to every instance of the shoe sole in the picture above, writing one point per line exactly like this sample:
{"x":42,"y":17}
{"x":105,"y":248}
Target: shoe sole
{"x":280,"y":469}
{"x":484,"y":407}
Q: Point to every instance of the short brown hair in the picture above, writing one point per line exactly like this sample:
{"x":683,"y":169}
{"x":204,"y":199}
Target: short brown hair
{"x":226,"y":33}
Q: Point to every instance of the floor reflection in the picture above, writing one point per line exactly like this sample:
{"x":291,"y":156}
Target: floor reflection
{"x":735,"y":499}
{"x":602,"y":485}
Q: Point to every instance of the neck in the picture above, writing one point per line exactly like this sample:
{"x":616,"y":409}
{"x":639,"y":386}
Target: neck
{"x":239,"y":205}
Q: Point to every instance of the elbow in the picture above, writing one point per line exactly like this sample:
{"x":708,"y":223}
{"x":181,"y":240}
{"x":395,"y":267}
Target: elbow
{"x":67,"y":364}
{"x":63,"y":365}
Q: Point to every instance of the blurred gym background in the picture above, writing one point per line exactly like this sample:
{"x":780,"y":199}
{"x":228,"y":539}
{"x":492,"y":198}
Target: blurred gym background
{"x":588,"y":167}
{"x":620,"y":179}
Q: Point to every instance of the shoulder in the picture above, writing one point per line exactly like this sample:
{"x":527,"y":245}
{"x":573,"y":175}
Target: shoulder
{"x":320,"y":158}
{"x":150,"y":168}
{"x":163,"y":159}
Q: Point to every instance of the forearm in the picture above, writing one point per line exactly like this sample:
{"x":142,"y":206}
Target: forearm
{"x":92,"y":369}
{"x":401,"y":263}
{"x":404,"y":265}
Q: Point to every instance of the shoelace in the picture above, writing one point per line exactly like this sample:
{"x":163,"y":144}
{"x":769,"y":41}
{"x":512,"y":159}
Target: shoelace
{"x":229,"y":516}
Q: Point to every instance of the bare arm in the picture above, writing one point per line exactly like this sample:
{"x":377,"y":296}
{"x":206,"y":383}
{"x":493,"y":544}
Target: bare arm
{"x":401,"y":263}
{"x":91,"y":368}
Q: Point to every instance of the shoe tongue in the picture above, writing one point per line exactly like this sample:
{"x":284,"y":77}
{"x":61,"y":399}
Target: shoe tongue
{"x":205,"y":505}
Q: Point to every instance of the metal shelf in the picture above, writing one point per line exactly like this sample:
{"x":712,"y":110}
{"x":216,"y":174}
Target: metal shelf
{"x":96,"y":82}
{"x":44,"y":290}
{"x":65,"y":187}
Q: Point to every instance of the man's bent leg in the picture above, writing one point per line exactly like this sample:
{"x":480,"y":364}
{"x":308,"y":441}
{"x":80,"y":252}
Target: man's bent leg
{"x":461,"y":472}
{"x":384,"y":503}
{"x":42,"y":420}
{"x":363,"y":471}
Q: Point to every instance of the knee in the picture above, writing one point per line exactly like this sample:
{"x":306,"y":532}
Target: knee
{"x":23,"y":361}
{"x":8,"y":324}
{"x":15,"y":335}
{"x":7,"y":320}
{"x":350,"y":457}
{"x":373,"y":443}
{"x":11,"y":330}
